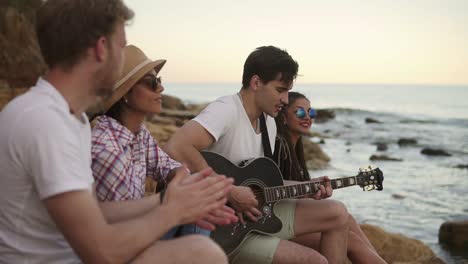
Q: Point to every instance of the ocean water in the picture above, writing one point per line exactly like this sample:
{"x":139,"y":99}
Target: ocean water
{"x":432,"y":189}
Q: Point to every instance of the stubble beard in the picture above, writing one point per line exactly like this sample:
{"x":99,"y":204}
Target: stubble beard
{"x":106,"y":78}
{"x":103,"y":86}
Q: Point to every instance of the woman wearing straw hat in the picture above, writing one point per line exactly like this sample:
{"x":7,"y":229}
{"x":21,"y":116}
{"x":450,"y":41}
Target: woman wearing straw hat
{"x":123,"y":151}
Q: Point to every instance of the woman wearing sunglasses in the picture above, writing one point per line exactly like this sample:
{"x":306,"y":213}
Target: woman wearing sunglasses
{"x":124,"y":153}
{"x":293,"y":123}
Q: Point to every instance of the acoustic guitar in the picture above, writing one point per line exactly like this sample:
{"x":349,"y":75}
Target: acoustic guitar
{"x":263,"y":176}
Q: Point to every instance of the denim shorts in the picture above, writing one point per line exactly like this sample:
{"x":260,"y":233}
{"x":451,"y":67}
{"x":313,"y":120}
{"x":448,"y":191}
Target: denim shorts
{"x":182,"y":230}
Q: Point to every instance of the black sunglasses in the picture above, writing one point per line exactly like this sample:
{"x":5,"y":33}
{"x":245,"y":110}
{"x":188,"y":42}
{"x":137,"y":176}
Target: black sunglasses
{"x":151,"y":81}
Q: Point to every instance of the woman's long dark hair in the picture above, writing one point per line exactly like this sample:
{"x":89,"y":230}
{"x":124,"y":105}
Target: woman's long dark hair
{"x":297,"y":166}
{"x":116,"y":110}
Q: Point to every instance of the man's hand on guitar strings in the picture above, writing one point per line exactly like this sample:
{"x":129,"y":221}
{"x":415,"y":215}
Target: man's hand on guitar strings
{"x":242,"y":198}
{"x":243,"y":201}
{"x":324,"y":191}
{"x":221,"y":216}
{"x":253,"y":214}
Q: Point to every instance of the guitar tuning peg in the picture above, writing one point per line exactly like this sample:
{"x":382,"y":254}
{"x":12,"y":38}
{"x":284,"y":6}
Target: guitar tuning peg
{"x":361,"y":169}
{"x":370,"y":167}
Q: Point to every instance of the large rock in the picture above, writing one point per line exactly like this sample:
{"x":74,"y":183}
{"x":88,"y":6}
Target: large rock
{"x":462,"y":166}
{"x":323,"y":115}
{"x":384,"y":157}
{"x":435,"y":152}
{"x":196,"y":108}
{"x":315,"y":157}
{"x":178,"y":113}
{"x":454,"y":234}
{"x":407,"y":141}
{"x":161,"y":132}
{"x":21,"y":62}
{"x":397,"y":248}
{"x":398,"y":196}
{"x":179,"y":117}
{"x":172,"y":103}
{"x":370,"y":120}
{"x":382,"y":147}
{"x":20,"y":59}
{"x":316,"y":134}
{"x":162,"y":120}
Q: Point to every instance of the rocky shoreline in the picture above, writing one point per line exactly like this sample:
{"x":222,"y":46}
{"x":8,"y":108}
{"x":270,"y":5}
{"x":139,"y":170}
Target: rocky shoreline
{"x":394,"y":248}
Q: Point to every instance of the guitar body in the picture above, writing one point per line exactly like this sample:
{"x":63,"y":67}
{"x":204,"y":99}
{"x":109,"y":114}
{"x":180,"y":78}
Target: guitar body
{"x":263,"y":176}
{"x":257,"y":174}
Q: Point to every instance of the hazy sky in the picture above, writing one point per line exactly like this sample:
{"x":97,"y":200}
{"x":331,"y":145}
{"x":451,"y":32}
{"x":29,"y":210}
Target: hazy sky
{"x":334,"y":41}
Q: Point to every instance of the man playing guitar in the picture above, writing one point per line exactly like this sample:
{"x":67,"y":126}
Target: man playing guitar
{"x":230,"y":127}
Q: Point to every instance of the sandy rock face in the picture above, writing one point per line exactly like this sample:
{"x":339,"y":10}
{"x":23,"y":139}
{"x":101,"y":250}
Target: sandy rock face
{"x":20,"y":59}
{"x":315,"y":157}
{"x":21,"y":62}
{"x":399,"y":249}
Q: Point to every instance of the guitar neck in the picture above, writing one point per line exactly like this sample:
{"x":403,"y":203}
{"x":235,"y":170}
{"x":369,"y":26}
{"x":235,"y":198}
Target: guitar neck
{"x":277,"y":193}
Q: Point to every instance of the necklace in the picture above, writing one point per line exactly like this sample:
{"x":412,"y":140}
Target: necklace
{"x":242,"y":101}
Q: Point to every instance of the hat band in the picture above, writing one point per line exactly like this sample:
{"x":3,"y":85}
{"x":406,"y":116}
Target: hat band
{"x":131,"y":73}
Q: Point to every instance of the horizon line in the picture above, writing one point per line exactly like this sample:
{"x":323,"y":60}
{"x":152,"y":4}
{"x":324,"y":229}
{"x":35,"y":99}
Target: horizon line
{"x":331,"y":83}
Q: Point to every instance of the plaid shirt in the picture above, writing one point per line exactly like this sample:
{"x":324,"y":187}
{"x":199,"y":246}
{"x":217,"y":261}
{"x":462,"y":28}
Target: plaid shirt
{"x":123,"y":160}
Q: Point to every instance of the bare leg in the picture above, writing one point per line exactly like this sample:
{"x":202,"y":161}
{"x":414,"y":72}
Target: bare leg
{"x":311,"y":240}
{"x":291,"y":253}
{"x":360,"y":250}
{"x":187,"y":249}
{"x":354,"y":226}
{"x":329,"y":217}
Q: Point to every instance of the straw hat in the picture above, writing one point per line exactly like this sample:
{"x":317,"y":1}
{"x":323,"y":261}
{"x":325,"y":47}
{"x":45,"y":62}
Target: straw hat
{"x":136,"y":65}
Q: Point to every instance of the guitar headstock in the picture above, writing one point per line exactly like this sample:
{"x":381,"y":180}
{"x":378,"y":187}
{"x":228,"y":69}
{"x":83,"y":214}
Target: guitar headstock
{"x":370,"y":179}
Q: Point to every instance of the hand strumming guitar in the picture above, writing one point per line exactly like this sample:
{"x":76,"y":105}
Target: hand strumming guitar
{"x":243,"y":201}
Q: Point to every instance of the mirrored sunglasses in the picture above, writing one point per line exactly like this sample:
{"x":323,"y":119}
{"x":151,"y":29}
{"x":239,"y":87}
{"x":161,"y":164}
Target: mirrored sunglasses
{"x":301,"y":113}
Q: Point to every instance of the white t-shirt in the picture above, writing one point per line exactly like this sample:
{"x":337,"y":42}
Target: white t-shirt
{"x":44,"y":151}
{"x":236,"y":140}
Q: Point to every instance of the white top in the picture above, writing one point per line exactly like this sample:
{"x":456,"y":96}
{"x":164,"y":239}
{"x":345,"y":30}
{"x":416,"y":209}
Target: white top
{"x":44,"y":151}
{"x":236,"y":140}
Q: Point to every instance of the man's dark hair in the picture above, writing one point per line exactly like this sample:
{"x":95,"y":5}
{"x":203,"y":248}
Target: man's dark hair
{"x":269,"y":63}
{"x":67,"y":28}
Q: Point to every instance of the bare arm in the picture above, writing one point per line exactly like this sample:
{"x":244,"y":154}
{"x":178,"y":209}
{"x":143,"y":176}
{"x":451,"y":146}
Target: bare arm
{"x":96,"y":241}
{"x":185,"y":146}
{"x":186,"y":143}
{"x":93,"y":239}
{"x":117,"y":211}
